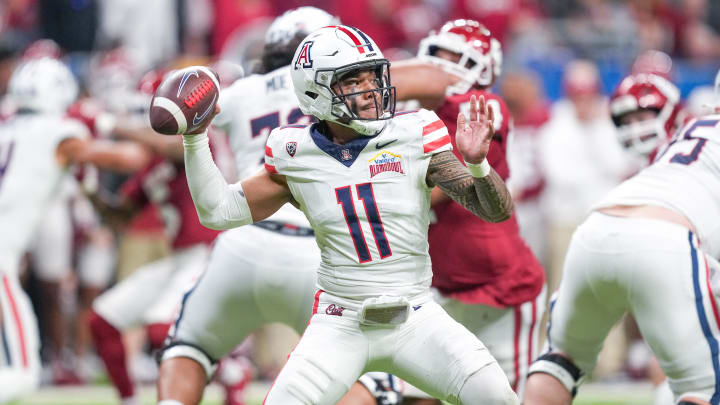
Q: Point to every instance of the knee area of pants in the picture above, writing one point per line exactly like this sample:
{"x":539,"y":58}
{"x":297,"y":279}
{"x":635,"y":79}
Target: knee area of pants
{"x":308,"y":383}
{"x":487,"y":386}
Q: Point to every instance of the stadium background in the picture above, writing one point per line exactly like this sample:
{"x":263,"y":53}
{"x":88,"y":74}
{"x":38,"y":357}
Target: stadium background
{"x":111,"y":43}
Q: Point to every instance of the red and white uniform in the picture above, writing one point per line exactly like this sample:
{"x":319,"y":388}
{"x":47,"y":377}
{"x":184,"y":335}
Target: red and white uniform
{"x":663,"y":273}
{"x":369,"y":204}
{"x":154,"y":292}
{"x":490,"y":279}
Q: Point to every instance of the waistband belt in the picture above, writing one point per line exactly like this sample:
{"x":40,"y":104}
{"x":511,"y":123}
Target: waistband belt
{"x":285,"y":228}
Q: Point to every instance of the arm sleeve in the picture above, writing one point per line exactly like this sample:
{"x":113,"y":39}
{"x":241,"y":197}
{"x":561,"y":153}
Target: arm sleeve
{"x":218,"y":204}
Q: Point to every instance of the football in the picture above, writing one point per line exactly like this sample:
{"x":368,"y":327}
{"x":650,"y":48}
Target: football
{"x":184,"y":100}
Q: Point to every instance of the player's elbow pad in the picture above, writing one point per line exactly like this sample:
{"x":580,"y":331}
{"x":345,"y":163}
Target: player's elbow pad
{"x":219,"y":205}
{"x":231,"y":212}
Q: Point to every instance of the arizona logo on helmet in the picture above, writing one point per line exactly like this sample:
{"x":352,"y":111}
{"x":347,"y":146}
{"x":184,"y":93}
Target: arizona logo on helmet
{"x":304,"y":56}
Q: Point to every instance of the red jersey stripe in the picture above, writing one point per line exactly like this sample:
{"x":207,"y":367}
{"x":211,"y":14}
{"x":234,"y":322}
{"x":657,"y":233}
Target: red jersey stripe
{"x":429,"y":147}
{"x":268,"y":151}
{"x":270,"y":168}
{"x":316,"y":303}
{"x":432,"y":127}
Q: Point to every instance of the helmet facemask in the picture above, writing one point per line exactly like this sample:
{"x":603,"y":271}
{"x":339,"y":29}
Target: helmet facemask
{"x":344,"y":105}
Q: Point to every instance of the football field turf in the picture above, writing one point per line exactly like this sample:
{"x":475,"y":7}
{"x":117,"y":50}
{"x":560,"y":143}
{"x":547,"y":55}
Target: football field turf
{"x":590,"y":394}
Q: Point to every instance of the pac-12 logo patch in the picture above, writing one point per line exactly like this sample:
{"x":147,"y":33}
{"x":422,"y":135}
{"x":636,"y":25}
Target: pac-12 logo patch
{"x":291,"y":148}
{"x":304,"y":59}
{"x":385,"y":162}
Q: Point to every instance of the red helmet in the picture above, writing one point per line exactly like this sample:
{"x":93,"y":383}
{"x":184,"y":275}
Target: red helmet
{"x":151,"y":80}
{"x":645,"y":91}
{"x":137,"y":104}
{"x":480,"y":53}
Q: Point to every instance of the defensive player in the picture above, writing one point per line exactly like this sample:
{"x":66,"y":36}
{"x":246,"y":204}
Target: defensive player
{"x":646,"y":110}
{"x":245,"y":269}
{"x":37,"y":145}
{"x":373,"y":309}
{"x":488,"y":278}
{"x":648,"y":248}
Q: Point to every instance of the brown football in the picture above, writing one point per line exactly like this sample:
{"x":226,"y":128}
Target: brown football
{"x":184,"y":100}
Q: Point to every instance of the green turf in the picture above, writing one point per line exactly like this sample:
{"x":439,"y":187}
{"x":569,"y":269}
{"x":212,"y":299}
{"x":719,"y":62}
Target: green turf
{"x":590,"y":394}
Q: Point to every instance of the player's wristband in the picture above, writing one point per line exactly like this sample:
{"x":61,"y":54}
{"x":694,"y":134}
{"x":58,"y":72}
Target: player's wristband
{"x":479,"y":170}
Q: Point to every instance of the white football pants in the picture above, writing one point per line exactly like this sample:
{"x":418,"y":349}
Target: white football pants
{"x":654,"y":270}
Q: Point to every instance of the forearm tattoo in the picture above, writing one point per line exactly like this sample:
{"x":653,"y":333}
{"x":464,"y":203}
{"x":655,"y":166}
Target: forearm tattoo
{"x":487,"y":197}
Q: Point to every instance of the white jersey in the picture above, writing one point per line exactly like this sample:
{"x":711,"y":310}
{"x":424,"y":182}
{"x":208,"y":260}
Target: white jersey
{"x":367,"y":201}
{"x":29,"y":177}
{"x":251,"y":108}
{"x":685,"y":179}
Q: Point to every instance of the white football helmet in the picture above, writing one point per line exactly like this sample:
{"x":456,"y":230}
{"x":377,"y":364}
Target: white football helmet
{"x":480,"y":53}
{"x":43,"y":85}
{"x":301,"y":20}
{"x":327,"y":55}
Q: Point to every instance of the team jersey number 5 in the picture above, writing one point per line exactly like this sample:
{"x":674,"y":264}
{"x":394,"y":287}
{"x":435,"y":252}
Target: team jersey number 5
{"x":688,"y":158}
{"x":366,"y":194}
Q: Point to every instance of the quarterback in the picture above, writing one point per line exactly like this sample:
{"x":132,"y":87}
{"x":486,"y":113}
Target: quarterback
{"x":362,"y":176}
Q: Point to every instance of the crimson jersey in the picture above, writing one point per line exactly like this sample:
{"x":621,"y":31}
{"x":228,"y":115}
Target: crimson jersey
{"x":163,"y":184}
{"x":474,"y":261}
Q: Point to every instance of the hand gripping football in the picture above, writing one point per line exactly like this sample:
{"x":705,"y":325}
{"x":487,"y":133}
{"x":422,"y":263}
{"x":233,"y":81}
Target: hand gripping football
{"x":184,"y":100}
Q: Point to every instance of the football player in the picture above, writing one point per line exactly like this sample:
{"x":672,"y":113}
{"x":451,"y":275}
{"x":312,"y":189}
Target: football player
{"x":37,"y":145}
{"x":271,"y":287}
{"x":646,"y":111}
{"x":362,"y":176}
{"x":648,"y":248}
{"x":487,"y":277}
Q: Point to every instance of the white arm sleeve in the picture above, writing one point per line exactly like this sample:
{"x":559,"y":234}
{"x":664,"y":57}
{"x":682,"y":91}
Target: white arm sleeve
{"x":219,"y":205}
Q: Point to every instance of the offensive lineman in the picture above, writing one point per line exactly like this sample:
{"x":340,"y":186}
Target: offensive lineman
{"x":649,"y":247}
{"x":373,"y":310}
{"x":37,"y":145}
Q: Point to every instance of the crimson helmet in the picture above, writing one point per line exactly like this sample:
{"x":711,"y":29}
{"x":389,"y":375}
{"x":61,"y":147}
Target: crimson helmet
{"x":645,"y":91}
{"x":480,"y":53}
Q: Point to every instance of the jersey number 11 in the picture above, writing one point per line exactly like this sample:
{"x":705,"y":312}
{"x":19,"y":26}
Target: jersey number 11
{"x":365,"y":193}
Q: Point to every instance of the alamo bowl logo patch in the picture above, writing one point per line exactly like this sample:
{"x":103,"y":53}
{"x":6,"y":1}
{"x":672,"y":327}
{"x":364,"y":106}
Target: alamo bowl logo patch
{"x":291,"y":148}
{"x":385,"y":161}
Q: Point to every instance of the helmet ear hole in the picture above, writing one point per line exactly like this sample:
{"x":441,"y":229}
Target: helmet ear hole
{"x":311,"y":95}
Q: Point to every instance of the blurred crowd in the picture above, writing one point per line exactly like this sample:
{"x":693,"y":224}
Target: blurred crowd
{"x":561,"y":59}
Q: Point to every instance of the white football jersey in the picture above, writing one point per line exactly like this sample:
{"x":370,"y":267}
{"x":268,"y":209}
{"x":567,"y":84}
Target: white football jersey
{"x":684,"y":178}
{"x":30,"y":175}
{"x":367,"y":200}
{"x":251,"y":108}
